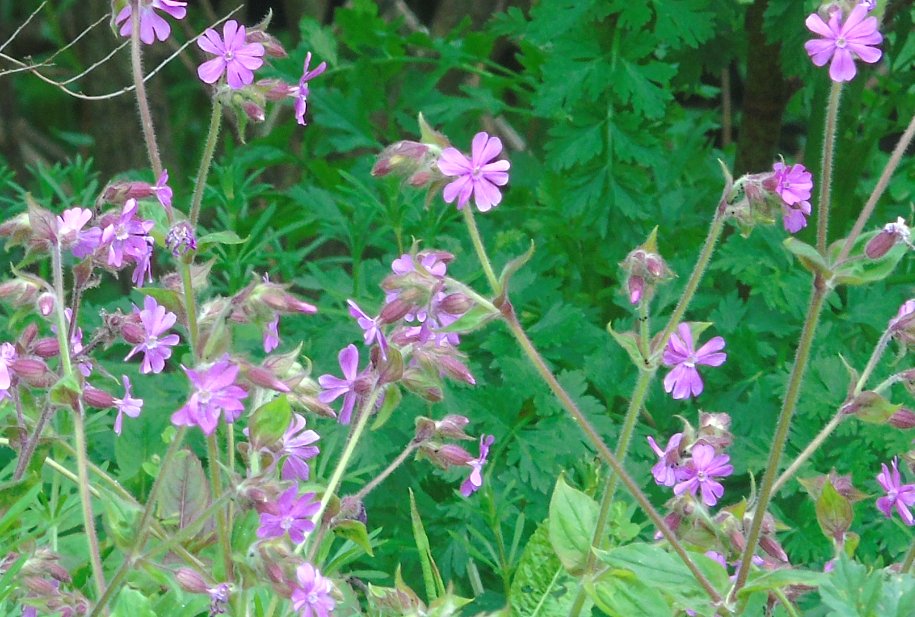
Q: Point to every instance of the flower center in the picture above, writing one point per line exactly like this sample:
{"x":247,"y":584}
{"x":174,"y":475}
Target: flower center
{"x":892,"y":494}
{"x":312,"y":598}
{"x":477,"y":172}
{"x":229,"y":56}
{"x":204,"y":396}
{"x":121,"y":232}
{"x":287,"y":522}
{"x":152,"y":342}
{"x":690,"y":361}
{"x":841,"y":42}
{"x":701,"y":476}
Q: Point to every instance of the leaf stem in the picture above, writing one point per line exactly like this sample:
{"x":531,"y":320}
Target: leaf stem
{"x":829,"y":149}
{"x":205,"y":161}
{"x":909,"y":559}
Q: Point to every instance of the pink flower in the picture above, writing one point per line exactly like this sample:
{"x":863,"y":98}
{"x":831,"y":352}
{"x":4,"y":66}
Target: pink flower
{"x":70,"y":233}
{"x":794,"y":218}
{"x":152,"y":25}
{"x":163,"y":191}
{"x":301,"y":92}
{"x":371,"y":328}
{"x":793,"y":184}
{"x":290,"y":514}
{"x":128,"y":237}
{"x":700,"y":472}
{"x":127,"y":405}
{"x":684,"y":380}
{"x":667,"y":471}
{"x":898,"y":495}
{"x":312,"y":595}
{"x":298,"y":449}
{"x":156,"y":321}
{"x":842,"y":42}
{"x":8,"y":355}
{"x":272,"y":334}
{"x":214,"y":391}
{"x":475,"y":480}
{"x":476,"y":175}
{"x":235,"y":57}
{"x":334,"y":387}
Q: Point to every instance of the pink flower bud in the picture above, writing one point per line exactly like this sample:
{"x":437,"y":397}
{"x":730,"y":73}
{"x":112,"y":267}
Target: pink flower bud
{"x":274,"y":89}
{"x":455,"y":369}
{"x":265,"y":378}
{"x":452,"y":426}
{"x":46,"y":304}
{"x":395,"y":310}
{"x":456,"y":304}
{"x":425,"y":429}
{"x":272,"y":45}
{"x":97,"y":398}
{"x":132,"y":332}
{"x":191,"y":580}
{"x":254,"y":111}
{"x":636,"y":288}
{"x":904,"y":419}
{"x":28,"y":335}
{"x":33,"y":371}
{"x":448,"y":455}
{"x":880,"y":245}
{"x":117,"y":193}
{"x":46,"y":348}
{"x":19,"y":292}
{"x":403,"y":158}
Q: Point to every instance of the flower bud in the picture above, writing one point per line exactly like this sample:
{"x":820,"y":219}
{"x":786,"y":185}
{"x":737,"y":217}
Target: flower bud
{"x":117,"y":193}
{"x":773,"y":548}
{"x":46,"y":304}
{"x":97,"y":398}
{"x":181,"y":238}
{"x":455,"y":369}
{"x":425,"y":429}
{"x":404,"y":158}
{"x":272,"y":45}
{"x":34,"y":372}
{"x":452,"y":426}
{"x":28,"y":335}
{"x":456,"y":304}
{"x":395,"y":310}
{"x":133,"y":332}
{"x":191,"y":580}
{"x":645,"y":269}
{"x":19,"y":292}
{"x":254,"y":111}
{"x":274,"y":89}
{"x":446,"y":455}
{"x":904,"y":419}
{"x":636,"y":286}
{"x":18,"y":229}
{"x":889,"y":236}
{"x":46,"y":348}
{"x":351,"y":509}
{"x":264,"y":378}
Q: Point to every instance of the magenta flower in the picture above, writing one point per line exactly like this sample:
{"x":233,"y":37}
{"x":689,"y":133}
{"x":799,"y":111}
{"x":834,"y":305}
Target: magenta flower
{"x":475,"y":175}
{"x":667,"y":471}
{"x":843,"y":42}
{"x":235,"y":57}
{"x":312,"y":596}
{"x":371,"y":328}
{"x":898,"y":495}
{"x":700,"y":472}
{"x":127,"y":405}
{"x":163,"y":191}
{"x":684,"y":380}
{"x":214,"y":391}
{"x":8,"y":355}
{"x":291,"y":515}
{"x":272,"y":334}
{"x":475,"y":480}
{"x":301,"y":92}
{"x":128,"y":237}
{"x":334,"y":387}
{"x":794,"y":218}
{"x":793,"y":184}
{"x":298,"y":449}
{"x":70,"y":232}
{"x":155,"y":347}
{"x":152,"y":25}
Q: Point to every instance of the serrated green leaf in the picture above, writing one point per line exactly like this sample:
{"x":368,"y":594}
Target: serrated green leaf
{"x":541,"y":586}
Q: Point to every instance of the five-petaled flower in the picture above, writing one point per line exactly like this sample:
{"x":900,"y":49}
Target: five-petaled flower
{"x":898,"y":495}
{"x":155,"y":347}
{"x":793,"y":184}
{"x":334,"y":387}
{"x":312,"y":595}
{"x":298,"y":449}
{"x":667,"y":471}
{"x":235,"y":57}
{"x":152,"y":25}
{"x":214,"y":391}
{"x":700,"y":472}
{"x":70,"y":232}
{"x":843,"y":42}
{"x":476,"y":175}
{"x":126,"y":406}
{"x":290,"y":514}
{"x":272,"y":334}
{"x":301,"y":91}
{"x":684,"y":380}
{"x":475,"y":480}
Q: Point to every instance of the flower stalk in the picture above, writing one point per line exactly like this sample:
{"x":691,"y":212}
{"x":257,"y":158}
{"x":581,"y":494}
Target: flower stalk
{"x":146,"y":120}
{"x":206,"y":160}
{"x":829,"y":148}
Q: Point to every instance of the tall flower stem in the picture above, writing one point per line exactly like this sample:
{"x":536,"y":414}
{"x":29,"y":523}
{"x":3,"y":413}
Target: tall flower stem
{"x":481,"y":250}
{"x":206,"y":160}
{"x":136,"y":62}
{"x":222,"y":533}
{"x":909,"y":559}
{"x":827,"y":430}
{"x":397,"y":462}
{"x":789,"y":404}
{"x":79,"y":430}
{"x":829,"y":148}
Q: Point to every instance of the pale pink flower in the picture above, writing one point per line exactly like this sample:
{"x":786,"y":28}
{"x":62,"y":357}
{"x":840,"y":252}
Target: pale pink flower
{"x":700,"y":472}
{"x":334,"y":387}
{"x":235,"y":57}
{"x":126,"y":406}
{"x":312,"y":595}
{"x":476,"y":175}
{"x":898,"y":496}
{"x":152,"y":25}
{"x":842,"y":42}
{"x":214,"y":392}
{"x":301,"y":92}
{"x":156,"y":348}
{"x":475,"y":480}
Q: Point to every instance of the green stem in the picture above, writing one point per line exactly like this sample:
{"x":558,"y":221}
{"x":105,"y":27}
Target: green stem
{"x":113,"y":586}
{"x":188,"y":532}
{"x":481,"y":250}
{"x":146,"y":121}
{"x":190,"y":309}
{"x":909,"y":559}
{"x":216,"y":491}
{"x":397,"y":462}
{"x":205,"y":161}
{"x":829,"y":148}
{"x":781,"y":431}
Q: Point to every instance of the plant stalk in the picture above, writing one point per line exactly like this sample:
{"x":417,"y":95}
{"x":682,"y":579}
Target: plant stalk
{"x":205,"y":161}
{"x":829,"y":149}
{"x":136,"y":62}
{"x":909,"y":559}
{"x":222,"y":533}
{"x":481,"y":250}
{"x":397,"y":462}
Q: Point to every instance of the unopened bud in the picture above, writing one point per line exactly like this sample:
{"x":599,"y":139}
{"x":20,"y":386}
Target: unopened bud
{"x":33,"y":371}
{"x":46,"y":304}
{"x":636,"y":286}
{"x":272,"y":45}
{"x":133,"y":332}
{"x":274,"y":89}
{"x":97,"y":398}
{"x":19,"y":292}
{"x":28,"y":335}
{"x":455,"y":369}
{"x":448,"y":455}
{"x":773,"y":548}
{"x":403,"y":158}
{"x":456,"y":304}
{"x":351,"y":509}
{"x":265,"y":378}
{"x":452,"y":426}
{"x":254,"y":111}
{"x":46,"y":348}
{"x":390,"y":369}
{"x":18,"y":229}
{"x":181,"y":238}
{"x":117,"y":193}
{"x":904,"y":419}
{"x":880,"y":245}
{"x":425,"y":429}
{"x":191,"y":580}
{"x":395,"y":310}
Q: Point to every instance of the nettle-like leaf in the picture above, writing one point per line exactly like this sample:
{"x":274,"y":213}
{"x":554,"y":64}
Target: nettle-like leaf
{"x":541,"y":586}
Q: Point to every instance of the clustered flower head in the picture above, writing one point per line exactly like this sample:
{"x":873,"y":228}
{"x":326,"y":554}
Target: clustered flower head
{"x":645,"y":269}
{"x":843,"y":41}
{"x":760,"y":197}
{"x":477,"y":175}
{"x":684,"y":380}
{"x":152,"y":25}
{"x":235,"y":57}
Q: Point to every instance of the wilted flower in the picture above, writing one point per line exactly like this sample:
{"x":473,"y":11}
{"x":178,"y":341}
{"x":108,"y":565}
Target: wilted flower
{"x":298,"y":449}
{"x":476,"y":175}
{"x":163,"y":191}
{"x":301,"y":92}
{"x":889,"y":236}
{"x":156,"y":321}
{"x":219,"y":598}
{"x":684,"y":380}
{"x":312,"y":595}
{"x":214,"y":391}
{"x":152,"y":25}
{"x":700,"y":472}
{"x":235,"y":57}
{"x":291,"y":515}
{"x":898,"y":495}
{"x":475,"y":480}
{"x":126,"y":406}
{"x":843,"y":42}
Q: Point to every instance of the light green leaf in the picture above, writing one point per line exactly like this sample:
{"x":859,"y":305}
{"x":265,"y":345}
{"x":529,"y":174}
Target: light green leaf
{"x":573,"y":519}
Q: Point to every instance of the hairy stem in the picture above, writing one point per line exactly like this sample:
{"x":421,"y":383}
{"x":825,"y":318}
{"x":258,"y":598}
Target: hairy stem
{"x":829,"y":148}
{"x":216,"y":489}
{"x":909,"y":559}
{"x":136,"y":62}
{"x":397,"y":462}
{"x":28,"y":448}
{"x":481,"y":250}
{"x":205,"y":161}
{"x":792,"y":394}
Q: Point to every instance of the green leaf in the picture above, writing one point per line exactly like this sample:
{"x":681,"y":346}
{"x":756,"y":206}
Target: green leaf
{"x":433,"y":580}
{"x":392,"y":397}
{"x":66,"y":390}
{"x":851,"y":591}
{"x":629,"y":341}
{"x":621,"y":594}
{"x":132,"y":603}
{"x":356,"y":532}
{"x":185,"y":491}
{"x":474,"y":319}
{"x":541,"y":586}
{"x":513,"y":266}
{"x":121,"y":520}
{"x":573,"y":519}
{"x":834,"y":512}
{"x":270,"y":421}
{"x":809,"y":257}
{"x":219,"y":237}
{"x":171,"y":300}
{"x":769,"y":580}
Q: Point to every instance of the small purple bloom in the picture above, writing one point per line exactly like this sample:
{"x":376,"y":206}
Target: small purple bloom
{"x":371,"y":328}
{"x":214,"y":391}
{"x":219,"y":598}
{"x":163,"y":191}
{"x":156,"y":321}
{"x":476,"y":175}
{"x":700,"y":472}
{"x":235,"y":57}
{"x":334,"y":387}
{"x":475,"y":480}
{"x":843,"y":42}
{"x":272,"y":334}
{"x":794,"y":218}
{"x":793,"y":183}
{"x":301,"y":92}
{"x":667,"y":471}
{"x":312,"y":596}
{"x":402,"y":264}
{"x":152,"y":25}
{"x":126,"y":406}
{"x":898,"y":495}
{"x":291,"y":514}
{"x":297,"y":448}
{"x":127,"y":237}
{"x":70,"y":233}
{"x":180,"y":238}
{"x":684,"y":380}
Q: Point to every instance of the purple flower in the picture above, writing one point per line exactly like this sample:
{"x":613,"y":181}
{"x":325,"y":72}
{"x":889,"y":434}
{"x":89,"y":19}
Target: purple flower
{"x":214,"y":391}
{"x":898,"y":495}
{"x":8,"y":355}
{"x":842,"y":42}
{"x":127,"y":405}
{"x":272,"y":334}
{"x":312,"y":595}
{"x":475,"y":480}
{"x":793,"y":184}
{"x":475,"y":175}
{"x":128,"y":237}
{"x":219,"y":598}
{"x":163,"y":191}
{"x":667,"y":471}
{"x":70,"y":233}
{"x":870,"y":5}
{"x":152,"y":25}
{"x":684,"y":381}
{"x":156,"y":321}
{"x":700,"y":472}
{"x":298,"y":449}
{"x":371,"y":328}
{"x":794,"y":218}
{"x":334,"y":387}
{"x":234,"y":56}
{"x":301,"y":92}
{"x":290,"y":514}
{"x":180,"y":238}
